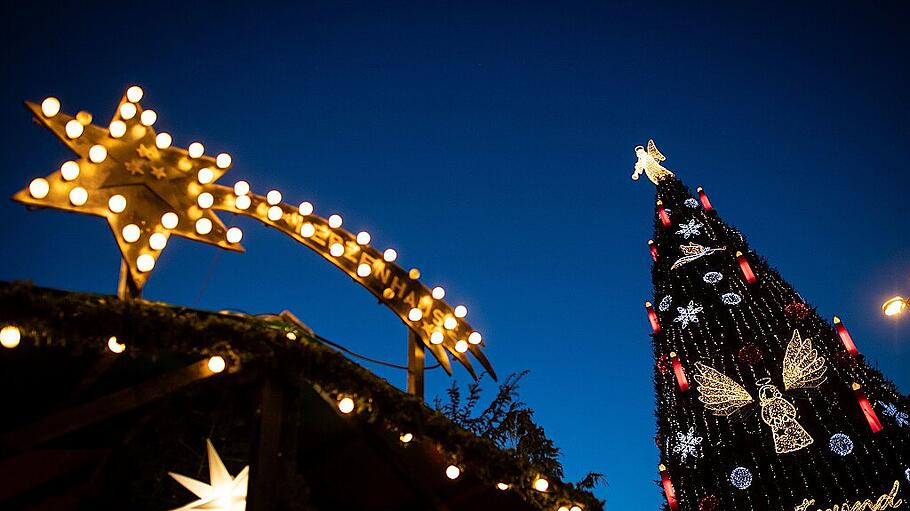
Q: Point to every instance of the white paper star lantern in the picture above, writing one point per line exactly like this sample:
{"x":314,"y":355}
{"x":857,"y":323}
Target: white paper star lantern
{"x":223,"y":492}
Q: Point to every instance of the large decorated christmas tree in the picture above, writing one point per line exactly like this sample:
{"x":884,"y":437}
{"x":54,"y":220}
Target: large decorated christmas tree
{"x":761,"y":403}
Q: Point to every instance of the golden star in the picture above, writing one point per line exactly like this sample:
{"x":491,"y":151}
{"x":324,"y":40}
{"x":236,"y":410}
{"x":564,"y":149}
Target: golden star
{"x":223,"y":492}
{"x":108,"y":180}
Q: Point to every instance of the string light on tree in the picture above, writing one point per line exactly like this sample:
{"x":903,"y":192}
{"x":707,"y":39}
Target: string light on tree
{"x":115,"y":345}
{"x":453,"y":472}
{"x":10,"y":336}
{"x":346,"y":405}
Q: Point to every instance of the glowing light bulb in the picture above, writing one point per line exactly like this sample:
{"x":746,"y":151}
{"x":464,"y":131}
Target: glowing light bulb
{"x":475,"y":338}
{"x":78,"y":196}
{"x":273,"y":197}
{"x":114,"y":345}
{"x":148,"y":117}
{"x":117,"y":128}
{"x":541,"y":484}
{"x":50,"y":107}
{"x":337,"y":249}
{"x":307,"y":230}
{"x":203,"y":226}
{"x":450,"y":323}
{"x":894,"y":306}
{"x":437,"y":337}
{"x":461,"y":311}
{"x":145,"y":263}
{"x":205,"y":175}
{"x":10,"y":336}
{"x":127,"y":111}
{"x":169,"y":220}
{"x":131,"y":233}
{"x":346,"y":405}
{"x":157,"y":241}
{"x":241,"y":188}
{"x":502,"y":486}
{"x":39,"y":188}
{"x":292,"y":336}
{"x":117,"y":203}
{"x":305,"y":208}
{"x":364,"y":270}
{"x":406,"y":438}
{"x":389,"y":255}
{"x":223,"y":160}
{"x":414,"y":273}
{"x":74,"y":128}
{"x":563,"y":508}
{"x":134,"y":94}
{"x":275,"y":213}
{"x":216,"y":364}
{"x":234,"y":235}
{"x":335,"y":221}
{"x":163,"y":140}
{"x":575,"y":508}
{"x":415,"y":314}
{"x":243,"y":202}
{"x":97,"y":153}
{"x":205,"y":200}
{"x":84,"y":118}
{"x":438,"y":293}
{"x":195,"y":150}
{"x":69,"y":170}
{"x":452,"y":472}
{"x":461,"y":346}
{"x":363,"y":238}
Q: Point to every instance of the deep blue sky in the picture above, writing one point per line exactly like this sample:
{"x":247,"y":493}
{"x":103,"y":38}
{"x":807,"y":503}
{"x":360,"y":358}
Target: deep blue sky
{"x":492,"y":146}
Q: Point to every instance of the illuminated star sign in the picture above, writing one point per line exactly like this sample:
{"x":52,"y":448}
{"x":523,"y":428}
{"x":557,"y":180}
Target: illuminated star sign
{"x":132,"y":176}
{"x":223,"y":491}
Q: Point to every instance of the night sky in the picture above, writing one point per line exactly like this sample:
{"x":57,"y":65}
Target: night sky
{"x":492,"y":145}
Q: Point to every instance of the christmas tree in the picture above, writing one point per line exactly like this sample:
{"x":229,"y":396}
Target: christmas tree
{"x":761,"y":403}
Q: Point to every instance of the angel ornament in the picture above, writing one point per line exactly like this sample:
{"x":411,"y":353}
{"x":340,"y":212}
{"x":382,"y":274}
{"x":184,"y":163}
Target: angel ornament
{"x":649,"y":163}
{"x":803,"y":369}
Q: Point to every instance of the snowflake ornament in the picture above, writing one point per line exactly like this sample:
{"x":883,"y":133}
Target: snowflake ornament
{"x":664,"y":304}
{"x":691,"y":203}
{"x":840,"y":444}
{"x":688,"y":314}
{"x":731,"y":298}
{"x":891,"y":410}
{"x":687,"y":444}
{"x":689,"y":229}
{"x":713,"y":277}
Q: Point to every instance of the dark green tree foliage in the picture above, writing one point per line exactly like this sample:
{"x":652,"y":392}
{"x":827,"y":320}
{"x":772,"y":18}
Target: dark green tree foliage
{"x":743,"y":330}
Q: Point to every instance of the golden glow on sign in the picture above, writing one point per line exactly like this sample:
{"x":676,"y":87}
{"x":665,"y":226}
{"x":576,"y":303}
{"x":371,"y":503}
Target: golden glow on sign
{"x":364,"y":270}
{"x":117,"y":203}
{"x":216,"y":364}
{"x":50,"y":107}
{"x":134,"y":94}
{"x":450,"y":323}
{"x":78,"y":196}
{"x":10,"y":336}
{"x":436,"y":337}
{"x":363,"y":238}
{"x":148,"y":117}
{"x":273,"y":197}
{"x":461,"y":311}
{"x":195,"y":150}
{"x":117,"y":128}
{"x":475,"y":338}
{"x":461,"y":346}
{"x":452,"y":472}
{"x":541,"y":484}
{"x":114,"y":345}
{"x":346,"y":405}
{"x":163,"y":140}
{"x":438,"y":293}
{"x":305,"y":208}
{"x":307,"y":230}
{"x":39,"y":188}
{"x":415,"y":314}
{"x":406,"y":438}
{"x":157,"y":241}
{"x":894,"y":306}
{"x":84,"y":118}
{"x":275,"y":213}
{"x":243,"y":202}
{"x":234,"y":235}
{"x":169,"y":220}
{"x":205,"y":200}
{"x":131,"y":233}
{"x":145,"y":263}
{"x":74,"y":129}
{"x":389,"y":255}
{"x":69,"y":170}
{"x":241,"y":188}
{"x":205,"y":175}
{"x":97,"y":153}
{"x":337,"y":249}
{"x":223,"y":160}
{"x":203,"y":226}
{"x":335,"y":221}
{"x":127,"y":111}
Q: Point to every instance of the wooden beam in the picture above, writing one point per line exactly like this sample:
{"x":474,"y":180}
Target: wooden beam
{"x":416,"y":364}
{"x":266,"y":474}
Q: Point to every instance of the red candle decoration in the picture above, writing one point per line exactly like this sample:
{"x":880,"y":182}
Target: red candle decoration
{"x":874,"y":424}
{"x":653,"y":249}
{"x":664,"y":217}
{"x":745,"y":268}
{"x":669,"y":492}
{"x":652,"y":317}
{"x":680,"y":372}
{"x":703,"y":197}
{"x":845,"y":337}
